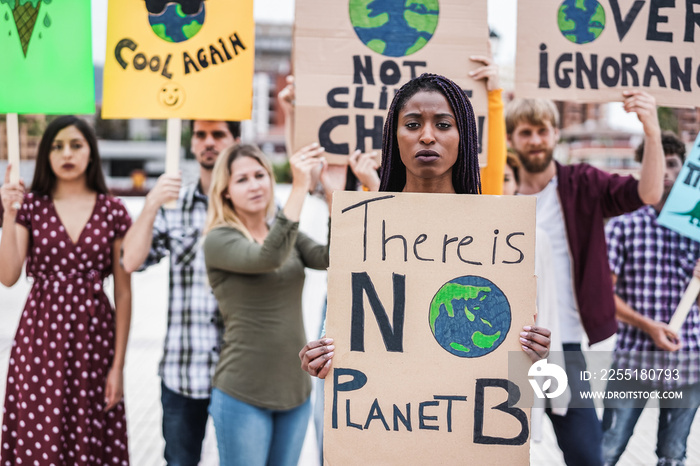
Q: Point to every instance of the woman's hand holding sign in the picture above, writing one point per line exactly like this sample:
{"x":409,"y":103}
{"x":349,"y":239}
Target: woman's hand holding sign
{"x":535,"y":342}
{"x":12,"y":194}
{"x":317,"y":357}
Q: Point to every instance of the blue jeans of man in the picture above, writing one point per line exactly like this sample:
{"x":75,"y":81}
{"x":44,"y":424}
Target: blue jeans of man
{"x":674,"y":423}
{"x":579,"y":432}
{"x":252,"y":436}
{"x":184,"y":426}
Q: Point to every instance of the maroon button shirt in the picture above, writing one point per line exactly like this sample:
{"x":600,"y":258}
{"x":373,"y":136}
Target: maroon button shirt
{"x":588,"y":196}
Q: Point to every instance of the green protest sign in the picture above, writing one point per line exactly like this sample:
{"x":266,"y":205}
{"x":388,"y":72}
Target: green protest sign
{"x":46,"y":56}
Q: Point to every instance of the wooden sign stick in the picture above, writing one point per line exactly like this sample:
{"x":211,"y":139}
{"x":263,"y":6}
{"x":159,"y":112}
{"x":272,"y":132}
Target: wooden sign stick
{"x":12,"y":122}
{"x":172,"y":151}
{"x":691,"y":293}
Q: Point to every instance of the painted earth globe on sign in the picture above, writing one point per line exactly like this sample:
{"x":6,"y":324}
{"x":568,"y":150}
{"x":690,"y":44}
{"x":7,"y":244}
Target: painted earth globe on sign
{"x":177,"y":21}
{"x":394,"y":28}
{"x":470,"y":316}
{"x":581,"y":21}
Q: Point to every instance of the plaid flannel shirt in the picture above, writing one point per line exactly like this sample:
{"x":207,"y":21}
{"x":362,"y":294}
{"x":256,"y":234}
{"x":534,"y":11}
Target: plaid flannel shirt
{"x":195,"y":328}
{"x":654,"y":266}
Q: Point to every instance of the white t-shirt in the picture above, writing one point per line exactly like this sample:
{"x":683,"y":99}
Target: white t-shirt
{"x":551,"y":219}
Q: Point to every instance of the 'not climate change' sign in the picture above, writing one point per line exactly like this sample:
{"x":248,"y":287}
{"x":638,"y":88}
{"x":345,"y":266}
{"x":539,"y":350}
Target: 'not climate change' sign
{"x":351,"y":56}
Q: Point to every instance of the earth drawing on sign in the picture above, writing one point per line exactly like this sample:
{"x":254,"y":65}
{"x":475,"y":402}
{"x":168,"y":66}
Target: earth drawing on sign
{"x":175,"y":21}
{"x":470,"y":316}
{"x":394,"y":28}
{"x":581,"y":21}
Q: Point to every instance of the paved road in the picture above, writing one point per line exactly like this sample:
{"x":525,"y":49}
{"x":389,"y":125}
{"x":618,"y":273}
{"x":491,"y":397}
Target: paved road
{"x":148,"y":330}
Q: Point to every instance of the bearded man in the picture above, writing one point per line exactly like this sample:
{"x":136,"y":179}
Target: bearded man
{"x":572,"y":203}
{"x":195,"y":328}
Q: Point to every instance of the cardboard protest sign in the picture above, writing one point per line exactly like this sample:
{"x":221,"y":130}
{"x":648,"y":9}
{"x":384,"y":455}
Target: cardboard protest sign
{"x":351,"y":56}
{"x":46,"y":56}
{"x":179,"y":59}
{"x":681,"y":212}
{"x":427,"y":294}
{"x":590,"y":50}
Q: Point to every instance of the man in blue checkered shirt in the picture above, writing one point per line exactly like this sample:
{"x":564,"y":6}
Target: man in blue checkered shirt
{"x":651,"y":268}
{"x":194,"y":332}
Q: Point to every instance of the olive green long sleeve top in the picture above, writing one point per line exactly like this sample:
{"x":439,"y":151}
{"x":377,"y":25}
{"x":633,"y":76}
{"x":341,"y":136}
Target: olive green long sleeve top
{"x":259,"y":288}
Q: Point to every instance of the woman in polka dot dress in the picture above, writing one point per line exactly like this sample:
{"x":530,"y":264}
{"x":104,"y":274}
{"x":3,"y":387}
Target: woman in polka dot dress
{"x":63,"y":403}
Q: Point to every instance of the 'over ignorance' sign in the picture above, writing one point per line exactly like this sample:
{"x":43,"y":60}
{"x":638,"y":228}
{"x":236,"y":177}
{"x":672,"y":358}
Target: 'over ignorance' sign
{"x":590,"y":50}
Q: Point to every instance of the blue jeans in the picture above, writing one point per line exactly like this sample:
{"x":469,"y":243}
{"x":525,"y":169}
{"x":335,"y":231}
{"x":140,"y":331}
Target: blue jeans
{"x":579,"y":432}
{"x":674,"y":423}
{"x":252,"y":436}
{"x":184,"y":425}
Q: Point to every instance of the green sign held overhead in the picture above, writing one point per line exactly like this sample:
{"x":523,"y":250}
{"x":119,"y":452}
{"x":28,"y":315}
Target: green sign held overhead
{"x":45,"y":48}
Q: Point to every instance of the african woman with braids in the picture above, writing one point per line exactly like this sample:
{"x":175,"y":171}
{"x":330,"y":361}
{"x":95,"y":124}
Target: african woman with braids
{"x":430,"y":146}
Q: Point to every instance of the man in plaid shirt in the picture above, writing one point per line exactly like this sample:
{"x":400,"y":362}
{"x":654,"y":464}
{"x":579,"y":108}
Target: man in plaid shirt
{"x":651,"y":268}
{"x":194,"y":332}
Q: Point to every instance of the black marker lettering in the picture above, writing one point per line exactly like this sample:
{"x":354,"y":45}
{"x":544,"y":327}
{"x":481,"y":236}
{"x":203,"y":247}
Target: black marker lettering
{"x":362,"y":70}
{"x":479,"y":410}
{"x":450,"y":399}
{"x":405,"y":420}
{"x":358,"y":380}
{"x":422,"y":417}
{"x":375,"y":412}
{"x":421,"y":239}
{"x":445,"y":242}
{"x":365,"y":204}
{"x":391,"y":334}
{"x":544,"y":79}
{"x":467,"y":240}
{"x":628,"y":63}
{"x":510,"y":245}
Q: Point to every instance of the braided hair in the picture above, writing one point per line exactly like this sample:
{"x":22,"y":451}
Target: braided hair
{"x":465,"y":173}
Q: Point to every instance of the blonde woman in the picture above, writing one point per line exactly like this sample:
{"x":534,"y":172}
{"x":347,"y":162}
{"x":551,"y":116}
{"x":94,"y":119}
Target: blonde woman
{"x":260,"y":401}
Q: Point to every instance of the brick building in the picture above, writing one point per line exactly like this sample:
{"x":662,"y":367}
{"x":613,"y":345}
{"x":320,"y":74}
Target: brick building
{"x":588,"y":135}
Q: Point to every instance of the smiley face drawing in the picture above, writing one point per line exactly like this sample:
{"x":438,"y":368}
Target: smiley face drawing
{"x":171,"y":95}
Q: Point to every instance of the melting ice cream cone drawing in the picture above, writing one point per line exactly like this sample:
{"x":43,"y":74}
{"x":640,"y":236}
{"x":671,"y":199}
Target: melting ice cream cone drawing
{"x":46,"y":58}
{"x":25,"y":14}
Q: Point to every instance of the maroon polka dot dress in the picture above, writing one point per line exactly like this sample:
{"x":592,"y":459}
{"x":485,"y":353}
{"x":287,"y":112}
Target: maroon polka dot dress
{"x":64,"y":345}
